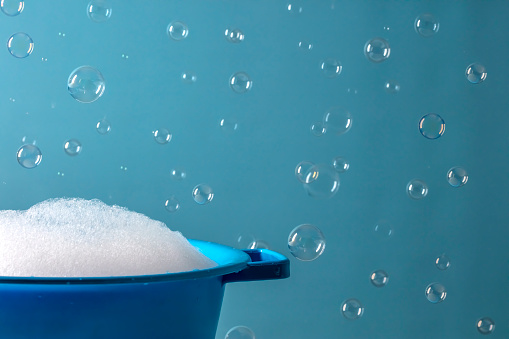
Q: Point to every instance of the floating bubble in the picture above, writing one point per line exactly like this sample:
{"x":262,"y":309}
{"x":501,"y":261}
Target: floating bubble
{"x":72,"y":147}
{"x":302,"y":170}
{"x":476,"y":73}
{"x":392,"y":86}
{"x":352,"y":309}
{"x":162,"y":136}
{"x":321,"y":181}
{"x":123,"y":168}
{"x":379,"y":278}
{"x":331,"y":68}
{"x":240,"y":82}
{"x":417,"y":189}
{"x":86,"y":84}
{"x":383,"y":229}
{"x":426,"y":25}
{"x":124,"y":56}
{"x":337,"y":120}
{"x":99,"y":10}
{"x":28,"y":140}
{"x":485,"y":325}
{"x":442,"y":262}
{"x":240,"y":332}
{"x":228,"y":126}
{"x":188,"y":77}
{"x":432,"y":126}
{"x":177,"y":30}
{"x":234,"y":35}
{"x":377,"y":50}
{"x":172,"y":204}
{"x":12,"y":7}
{"x":317,"y":129}
{"x":178,"y":174}
{"x":244,"y":240}
{"x":259,"y":244}
{"x":20,"y":45}
{"x":305,"y":46}
{"x":202,"y":194}
{"x":306,"y":242}
{"x":60,"y":174}
{"x":457,"y":177}
{"x":435,"y":293}
{"x":103,"y":126}
{"x":293,"y":8}
{"x":60,"y":34}
{"x":29,"y":156}
{"x":340,"y":164}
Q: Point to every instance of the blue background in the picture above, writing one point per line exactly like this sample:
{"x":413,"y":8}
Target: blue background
{"x":252,"y":170}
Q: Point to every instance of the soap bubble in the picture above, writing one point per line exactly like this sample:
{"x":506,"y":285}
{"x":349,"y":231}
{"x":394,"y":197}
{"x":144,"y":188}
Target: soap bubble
{"x":476,"y":73}
{"x":228,"y":126}
{"x":103,"y":126}
{"x":331,"y":68}
{"x":294,"y":9}
{"x":417,"y":189}
{"x":202,"y":194}
{"x":162,"y":136}
{"x":442,"y":262}
{"x":188,"y":77}
{"x":72,"y":147}
{"x":234,"y":35}
{"x":29,"y":156}
{"x":20,"y":45}
{"x":321,"y":181}
{"x":306,"y":242}
{"x":379,"y":278}
{"x":340,"y":164}
{"x":240,"y":332}
{"x":392,"y":86}
{"x":86,"y":84}
{"x":352,"y":309}
{"x":383,"y":229}
{"x":435,"y":293}
{"x":177,"y":30}
{"x":172,"y":204}
{"x":337,"y":120}
{"x":99,"y":10}
{"x":258,"y":244}
{"x":240,"y":82}
{"x":12,"y":7}
{"x":302,"y":170}
{"x":426,"y":25}
{"x":377,"y":50}
{"x":432,"y":126}
{"x":485,"y":325}
{"x":457,"y":177}
{"x":305,"y":46}
{"x":317,"y":129}
{"x":244,"y":240}
{"x":178,"y":174}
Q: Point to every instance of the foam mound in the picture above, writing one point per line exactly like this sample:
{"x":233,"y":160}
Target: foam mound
{"x":87,"y":238}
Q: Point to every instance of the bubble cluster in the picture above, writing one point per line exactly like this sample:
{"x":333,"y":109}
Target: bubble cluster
{"x":321,"y":181}
{"x":20,"y":45}
{"x":426,"y":25}
{"x":340,"y":164}
{"x":29,"y":156}
{"x":72,"y":147}
{"x":432,"y":126}
{"x":337,"y":120}
{"x":331,"y":68}
{"x":485,"y":325}
{"x":476,"y":73}
{"x":177,"y":30}
{"x":99,"y":10}
{"x":162,"y":136}
{"x":240,"y":82}
{"x":234,"y":35}
{"x":442,"y":262}
{"x":202,"y":194}
{"x":12,"y":7}
{"x":86,"y":84}
{"x":240,"y":332}
{"x":172,"y":204}
{"x":103,"y":127}
{"x":457,"y":176}
{"x":352,"y":309}
{"x":306,"y":242}
{"x":435,"y":293}
{"x":379,"y":278}
{"x":417,"y":189}
{"x":377,"y":50}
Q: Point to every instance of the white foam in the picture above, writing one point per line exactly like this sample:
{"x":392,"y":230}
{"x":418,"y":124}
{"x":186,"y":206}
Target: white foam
{"x":87,"y":238}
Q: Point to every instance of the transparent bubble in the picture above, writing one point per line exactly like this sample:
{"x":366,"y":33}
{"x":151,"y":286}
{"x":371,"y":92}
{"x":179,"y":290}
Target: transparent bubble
{"x":435,"y":293}
{"x":240,"y":82}
{"x":442,"y":262}
{"x":305,"y":46}
{"x":302,"y":170}
{"x":86,"y":84}
{"x":162,"y":136}
{"x":177,"y":30}
{"x":60,"y":174}
{"x":12,"y":7}
{"x":432,"y":126}
{"x":103,"y":126}
{"x":340,"y":164}
{"x":426,"y":25}
{"x":245,"y":240}
{"x":234,"y":35}
{"x":99,"y":10}
{"x":294,"y":8}
{"x":29,"y":156}
{"x":259,"y":244}
{"x":306,"y":242}
{"x":377,"y":50}
{"x":62,"y":35}
{"x":379,"y":278}
{"x":124,"y":56}
{"x":188,"y":77}
{"x":202,"y":194}
{"x":178,"y":174}
{"x":457,"y":177}
{"x":28,"y":140}
{"x":321,"y":181}
{"x":352,"y":309}
{"x":172,"y":204}
{"x":228,"y":126}
{"x":392,"y":86}
{"x":383,"y":229}
{"x":476,"y":73}
{"x":72,"y":147}
{"x":240,"y":332}
{"x":331,"y":68}
{"x":123,"y":168}
{"x":485,"y":325}
{"x":20,"y":45}
{"x":337,"y":120}
{"x":317,"y":129}
{"x":417,"y":189}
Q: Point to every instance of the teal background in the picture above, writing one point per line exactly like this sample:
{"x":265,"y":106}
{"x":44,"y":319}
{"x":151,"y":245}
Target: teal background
{"x":252,"y":170}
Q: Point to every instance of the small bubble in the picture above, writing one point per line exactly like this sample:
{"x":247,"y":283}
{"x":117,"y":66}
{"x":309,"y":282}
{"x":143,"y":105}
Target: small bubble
{"x":20,"y":45}
{"x":86,"y":84}
{"x":442,"y":262}
{"x":387,"y":28}
{"x":177,"y":30}
{"x":125,"y":56}
{"x":457,"y":176}
{"x":178,"y":174}
{"x":417,"y":189}
{"x":377,"y":50}
{"x":306,"y":242}
{"x":72,"y":147}
{"x":244,"y":240}
{"x":317,"y":129}
{"x":476,"y":73}
{"x":392,"y":86}
{"x":352,"y":309}
{"x":337,"y":120}
{"x":60,"y":174}
{"x":202,"y":194}
{"x":99,"y":10}
{"x":383,"y":229}
{"x":435,"y":293}
{"x":240,"y":82}
{"x":234,"y":35}
{"x":162,"y":136}
{"x":29,"y":156}
{"x":228,"y":126}
{"x":305,"y":46}
{"x":172,"y":204}
{"x":123,"y":168}
{"x":188,"y":77}
{"x":331,"y":68}
{"x":485,"y":325}
{"x":340,"y":164}
{"x":294,"y":9}
{"x":12,"y":99}
{"x":379,"y":278}
{"x":103,"y":126}
{"x":302,"y":170}
{"x":432,"y":126}
{"x":426,"y":25}
{"x":12,"y":7}
{"x":321,"y":181}
{"x":240,"y":332}
{"x":60,"y":34}
{"x":44,"y":59}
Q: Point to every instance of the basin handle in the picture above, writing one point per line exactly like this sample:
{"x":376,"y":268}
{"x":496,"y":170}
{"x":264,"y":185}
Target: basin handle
{"x":264,"y":265}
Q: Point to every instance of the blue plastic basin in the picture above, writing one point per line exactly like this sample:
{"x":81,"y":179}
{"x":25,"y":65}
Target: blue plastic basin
{"x":176,"y":305}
